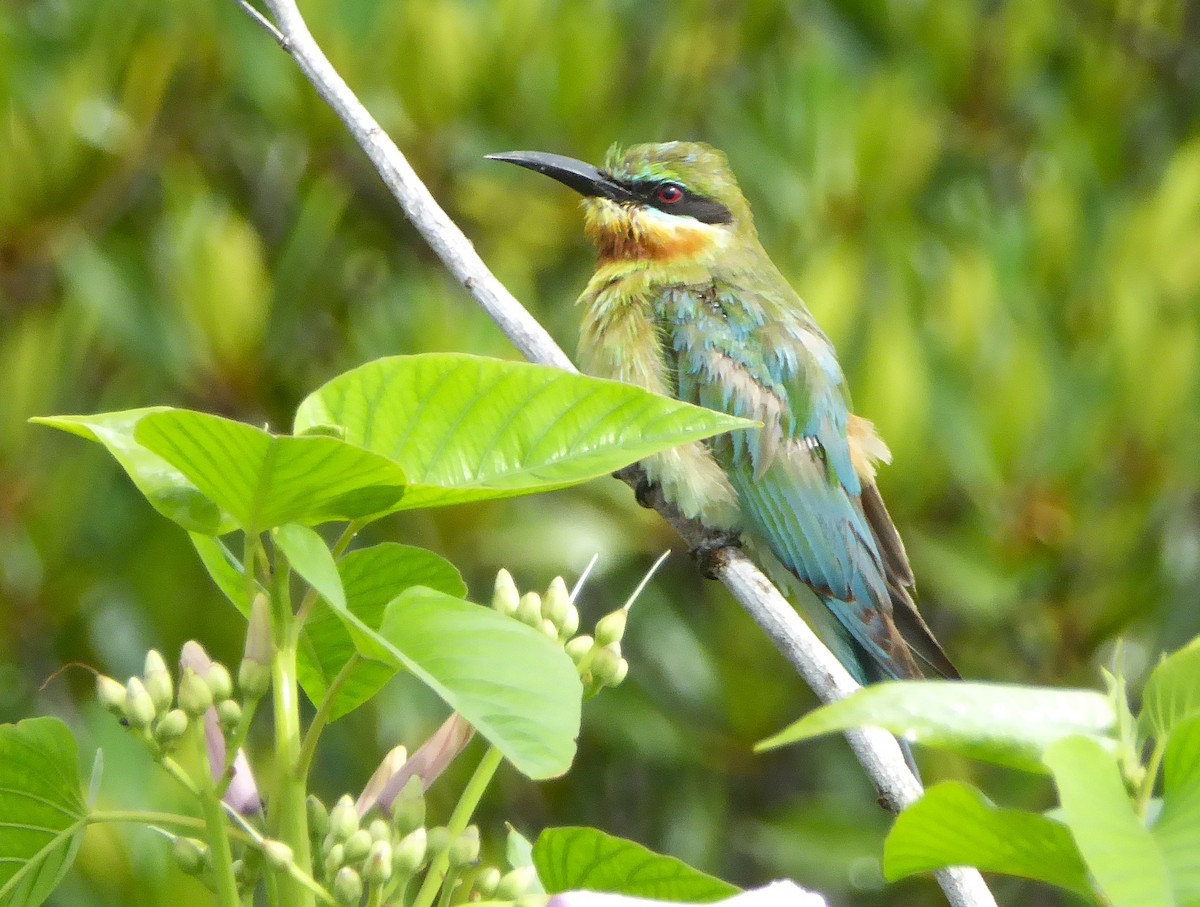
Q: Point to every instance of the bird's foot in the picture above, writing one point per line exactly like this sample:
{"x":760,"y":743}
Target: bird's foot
{"x":712,"y":554}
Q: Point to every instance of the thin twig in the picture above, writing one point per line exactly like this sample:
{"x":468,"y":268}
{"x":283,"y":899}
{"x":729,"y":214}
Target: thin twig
{"x":265,"y":24}
{"x":877,"y":751}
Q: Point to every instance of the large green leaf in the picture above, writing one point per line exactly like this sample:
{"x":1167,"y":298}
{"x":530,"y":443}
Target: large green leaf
{"x":1123,"y":856}
{"x":1172,"y":693}
{"x":168,"y":490}
{"x":371,"y":577}
{"x":467,"y":428}
{"x":568,"y":859}
{"x":1178,"y":827}
{"x":42,"y":813}
{"x":263,"y":480}
{"x":954,"y":824}
{"x":1002,"y":723}
{"x":515,"y":686}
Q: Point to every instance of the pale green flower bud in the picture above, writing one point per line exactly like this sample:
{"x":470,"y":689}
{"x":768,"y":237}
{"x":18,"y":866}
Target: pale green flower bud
{"x":171,"y":727}
{"x":254,"y":673}
{"x":570,"y":622}
{"x":277,"y":853}
{"x":486,"y":881}
{"x":378,"y":866}
{"x":347,"y":887}
{"x":219,"y":682}
{"x":380,"y":830}
{"x":335,"y":858}
{"x":318,"y":816}
{"x":611,"y":627}
{"x":111,"y":694}
{"x":606,"y":665}
{"x":529,"y":609}
{"x":556,"y":602}
{"x":580,"y":648}
{"x":548,"y":629}
{"x":409,"y":854}
{"x":343,"y":819}
{"x":139,"y":707}
{"x":190,"y":854}
{"x":229,"y":715}
{"x":157,"y":680}
{"x":195,"y":697}
{"x":357,"y":846}
{"x":241,"y":873}
{"x":532,"y":899}
{"x":505,"y":595}
{"x":438,"y":840}
{"x":515,"y":883}
{"x":465,"y":849}
{"x":408,"y":809}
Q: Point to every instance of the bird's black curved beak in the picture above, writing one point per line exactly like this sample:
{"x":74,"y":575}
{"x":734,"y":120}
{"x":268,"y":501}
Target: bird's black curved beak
{"x":583,"y":178}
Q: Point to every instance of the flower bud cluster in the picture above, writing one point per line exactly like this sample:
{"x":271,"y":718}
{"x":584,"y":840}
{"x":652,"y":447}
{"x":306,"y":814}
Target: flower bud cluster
{"x":163,"y":710}
{"x":597,"y":657}
{"x":193,"y":857}
{"x":382,"y":855}
{"x":360,"y":856}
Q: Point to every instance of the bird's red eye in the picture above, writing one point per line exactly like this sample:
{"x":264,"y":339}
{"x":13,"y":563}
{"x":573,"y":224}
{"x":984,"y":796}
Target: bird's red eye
{"x":669,"y":194}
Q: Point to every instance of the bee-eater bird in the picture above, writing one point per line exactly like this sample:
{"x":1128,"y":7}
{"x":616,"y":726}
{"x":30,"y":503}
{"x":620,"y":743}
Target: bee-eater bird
{"x":685,"y":302}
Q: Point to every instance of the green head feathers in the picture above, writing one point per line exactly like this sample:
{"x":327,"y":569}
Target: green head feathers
{"x":700,"y":170}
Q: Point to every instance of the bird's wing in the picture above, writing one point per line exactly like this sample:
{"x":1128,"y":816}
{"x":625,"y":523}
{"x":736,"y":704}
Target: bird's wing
{"x":796,"y":483}
{"x":796,"y":478}
{"x":867,"y":448}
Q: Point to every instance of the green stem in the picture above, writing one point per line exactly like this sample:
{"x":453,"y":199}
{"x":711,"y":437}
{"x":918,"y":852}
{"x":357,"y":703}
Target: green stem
{"x":1147,"y":791}
{"x":217,"y":832}
{"x":288,"y":815}
{"x":459,"y":820}
{"x":176,"y":771}
{"x":448,"y":888}
{"x":234,"y":743}
{"x":321,"y":718}
{"x":293,"y":870}
{"x":250,"y":546}
{"x":170,"y":820}
{"x":375,"y":898}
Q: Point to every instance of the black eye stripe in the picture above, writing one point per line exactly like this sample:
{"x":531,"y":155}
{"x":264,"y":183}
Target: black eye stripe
{"x":701,"y":207}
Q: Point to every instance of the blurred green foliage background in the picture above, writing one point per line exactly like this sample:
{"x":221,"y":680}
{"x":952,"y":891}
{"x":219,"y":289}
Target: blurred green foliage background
{"x":992,"y":207}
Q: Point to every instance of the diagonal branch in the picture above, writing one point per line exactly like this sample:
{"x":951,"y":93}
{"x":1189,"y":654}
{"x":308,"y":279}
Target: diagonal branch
{"x":876,"y":750}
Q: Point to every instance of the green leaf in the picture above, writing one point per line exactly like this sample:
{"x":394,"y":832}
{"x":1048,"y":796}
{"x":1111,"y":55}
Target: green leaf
{"x":309,"y":556}
{"x":467,"y":428}
{"x":1172,"y":694}
{"x":225,"y":570}
{"x":954,"y":824}
{"x":568,"y":859}
{"x":371,"y":577}
{"x":1177,"y":830}
{"x":263,"y":480}
{"x":1126,"y":862}
{"x":1001,"y":723}
{"x":515,"y":686}
{"x":42,"y":813}
{"x":167,"y":489}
